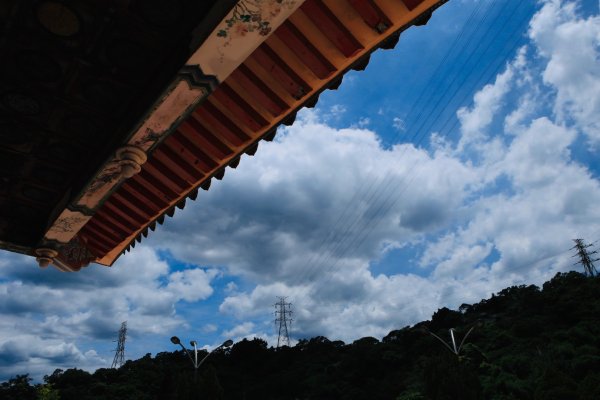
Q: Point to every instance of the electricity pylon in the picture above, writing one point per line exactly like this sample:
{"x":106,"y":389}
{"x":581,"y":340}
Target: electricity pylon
{"x":283,"y":321}
{"x":120,"y":350}
{"x":584,"y":255}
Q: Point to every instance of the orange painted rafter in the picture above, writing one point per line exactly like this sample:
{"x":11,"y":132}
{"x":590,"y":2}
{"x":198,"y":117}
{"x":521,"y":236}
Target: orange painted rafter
{"x":314,"y":47}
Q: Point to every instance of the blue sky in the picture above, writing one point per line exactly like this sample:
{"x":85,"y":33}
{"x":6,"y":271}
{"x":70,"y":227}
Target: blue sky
{"x":461,"y":162}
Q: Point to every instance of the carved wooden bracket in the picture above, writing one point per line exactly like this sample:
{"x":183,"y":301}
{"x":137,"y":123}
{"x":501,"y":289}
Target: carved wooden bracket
{"x":131,"y":158}
{"x":45,"y":256}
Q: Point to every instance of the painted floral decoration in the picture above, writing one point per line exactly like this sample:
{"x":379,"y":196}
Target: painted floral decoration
{"x":252,"y":16}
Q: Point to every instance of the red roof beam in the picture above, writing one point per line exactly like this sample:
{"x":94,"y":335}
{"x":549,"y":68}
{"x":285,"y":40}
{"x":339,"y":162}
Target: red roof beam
{"x":170,"y":160}
{"x":412,"y":4}
{"x":95,"y":243}
{"x":130,"y":206}
{"x":122,"y":226}
{"x":280,"y":70}
{"x":222,"y":126}
{"x":372,"y":14}
{"x":332,"y":28}
{"x":177,"y":182}
{"x":151,"y":182}
{"x":259,"y":91}
{"x":305,"y":50}
{"x":238,"y":107}
{"x":113,"y":209}
{"x":189,"y":153}
{"x":201,"y":138}
{"x":145,"y":195}
{"x":108,"y":237}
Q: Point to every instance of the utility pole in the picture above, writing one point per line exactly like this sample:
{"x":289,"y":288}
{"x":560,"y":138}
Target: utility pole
{"x":120,"y":350}
{"x":584,"y":256}
{"x":283,"y":321}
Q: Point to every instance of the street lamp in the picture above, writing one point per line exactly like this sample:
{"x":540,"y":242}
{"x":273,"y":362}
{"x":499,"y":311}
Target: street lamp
{"x":175,"y":340}
{"x":453,"y":349}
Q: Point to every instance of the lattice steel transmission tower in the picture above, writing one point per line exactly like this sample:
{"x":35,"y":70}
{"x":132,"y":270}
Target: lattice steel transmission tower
{"x":283,"y":321}
{"x":120,"y":350}
{"x":584,"y":255}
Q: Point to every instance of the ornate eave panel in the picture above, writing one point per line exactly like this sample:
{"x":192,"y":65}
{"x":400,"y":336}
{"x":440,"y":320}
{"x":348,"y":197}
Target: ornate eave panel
{"x":263,"y":62}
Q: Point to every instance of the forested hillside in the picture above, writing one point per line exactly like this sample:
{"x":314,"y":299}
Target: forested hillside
{"x":526,"y":343}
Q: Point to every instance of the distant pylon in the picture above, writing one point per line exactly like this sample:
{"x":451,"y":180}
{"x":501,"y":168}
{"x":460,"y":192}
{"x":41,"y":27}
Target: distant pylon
{"x":120,"y":350}
{"x":283,"y":321}
{"x":584,"y":255}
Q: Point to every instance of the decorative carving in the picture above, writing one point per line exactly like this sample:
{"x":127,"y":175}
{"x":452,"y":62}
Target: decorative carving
{"x":252,"y":16}
{"x":66,"y":226}
{"x":130,"y":159}
{"x":109,"y":175}
{"x":148,"y":139}
{"x":45,"y":256}
{"x":194,"y":76}
{"x":176,"y":103}
{"x":76,"y":254}
{"x":126,"y":163}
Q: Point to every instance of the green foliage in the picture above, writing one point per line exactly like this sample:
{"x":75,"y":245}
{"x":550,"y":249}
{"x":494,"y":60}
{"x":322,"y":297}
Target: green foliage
{"x":47,"y":392}
{"x":17,"y":388}
{"x":527,"y":344}
{"x":411,"y":395}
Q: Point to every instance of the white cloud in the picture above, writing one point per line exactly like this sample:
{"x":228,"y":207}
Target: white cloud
{"x":192,"y":284}
{"x":571,"y":44}
{"x":210,"y":328}
{"x":287,"y":213}
{"x":475,"y":120}
{"x":399,"y":124}
{"x":310,"y":215}
{"x":336,"y":111}
{"x":231,"y":287}
{"x":519,"y":204}
{"x":239,"y":331}
{"x":550,"y":198}
{"x":27,"y":353}
{"x":58,"y":310}
{"x":364,"y":122}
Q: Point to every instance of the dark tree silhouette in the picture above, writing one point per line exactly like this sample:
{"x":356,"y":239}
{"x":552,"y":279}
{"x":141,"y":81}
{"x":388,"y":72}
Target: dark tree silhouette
{"x":526,"y":343}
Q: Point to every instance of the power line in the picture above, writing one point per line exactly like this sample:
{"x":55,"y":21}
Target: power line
{"x":361,"y":193}
{"x":384,"y":207}
{"x":341,"y":247}
{"x":388,"y":190}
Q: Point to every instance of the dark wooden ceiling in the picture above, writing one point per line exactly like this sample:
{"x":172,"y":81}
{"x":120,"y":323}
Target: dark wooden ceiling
{"x":75,"y":78}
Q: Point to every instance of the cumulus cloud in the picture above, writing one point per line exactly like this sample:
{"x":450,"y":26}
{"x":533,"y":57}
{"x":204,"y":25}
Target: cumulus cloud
{"x":475,"y":120}
{"x":314,"y":212}
{"x":240,"y":331}
{"x":27,"y":353}
{"x":508,"y":216}
{"x":191,"y":284}
{"x":58,"y":310}
{"x":309,"y":198}
{"x":571,"y":45}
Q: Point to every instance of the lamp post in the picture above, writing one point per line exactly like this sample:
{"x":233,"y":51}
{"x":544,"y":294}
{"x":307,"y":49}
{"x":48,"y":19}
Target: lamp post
{"x":175,"y":340}
{"x":453,"y":349}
